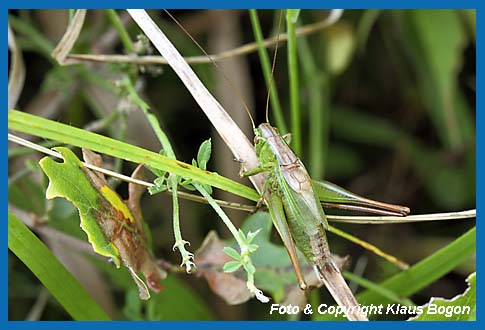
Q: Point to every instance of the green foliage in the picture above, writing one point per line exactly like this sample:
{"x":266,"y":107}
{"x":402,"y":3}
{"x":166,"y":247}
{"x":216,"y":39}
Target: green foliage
{"x":386,"y":110}
{"x":204,"y":154}
{"x":423,"y":273}
{"x":274,"y":272}
{"x":439,"y":42}
{"x":293,"y":80}
{"x":429,"y":269}
{"x":38,"y":126}
{"x":45,"y":266}
{"x":114,"y":229}
{"x":67,"y":180}
{"x":241,"y":259}
{"x":459,"y":308}
{"x":160,"y":307}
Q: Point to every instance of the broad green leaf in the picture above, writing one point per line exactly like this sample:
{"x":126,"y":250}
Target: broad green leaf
{"x":68,"y":180}
{"x":60,"y":283}
{"x":110,"y":225}
{"x":459,"y":308}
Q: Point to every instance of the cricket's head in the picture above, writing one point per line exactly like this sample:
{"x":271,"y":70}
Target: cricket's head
{"x":261,"y":135}
{"x":259,"y":140}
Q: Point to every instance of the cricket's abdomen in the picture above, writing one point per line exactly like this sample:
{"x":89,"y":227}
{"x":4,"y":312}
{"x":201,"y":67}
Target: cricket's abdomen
{"x":307,"y":231}
{"x":320,"y":250}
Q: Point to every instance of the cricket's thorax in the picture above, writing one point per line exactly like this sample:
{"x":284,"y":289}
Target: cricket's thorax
{"x":283,"y":153}
{"x":291,"y":168}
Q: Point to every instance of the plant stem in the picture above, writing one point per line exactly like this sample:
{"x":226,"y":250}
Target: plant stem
{"x":266,"y":68}
{"x":319,"y":122}
{"x":120,"y":28}
{"x":220,"y":213}
{"x":293,"y":78}
{"x":374,"y":249}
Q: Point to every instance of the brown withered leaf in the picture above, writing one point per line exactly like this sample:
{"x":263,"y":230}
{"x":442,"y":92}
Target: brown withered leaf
{"x":113,"y":228}
{"x":128,"y":234}
{"x":274,"y":272}
{"x":210,"y":259}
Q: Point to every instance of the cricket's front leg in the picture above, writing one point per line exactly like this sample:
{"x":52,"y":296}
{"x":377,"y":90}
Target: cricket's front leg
{"x":259,"y":169}
{"x":243,"y":173}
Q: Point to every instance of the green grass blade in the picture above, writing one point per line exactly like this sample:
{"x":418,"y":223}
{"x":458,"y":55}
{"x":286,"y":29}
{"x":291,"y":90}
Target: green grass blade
{"x":318,"y":110}
{"x":49,"y":129}
{"x":379,"y":289}
{"x":427,"y":270}
{"x":37,"y":40}
{"x":438,"y":39}
{"x":120,"y":28}
{"x":294,"y":84}
{"x":460,"y":302}
{"x":423,"y":273}
{"x":266,"y":67}
{"x":60,"y":283}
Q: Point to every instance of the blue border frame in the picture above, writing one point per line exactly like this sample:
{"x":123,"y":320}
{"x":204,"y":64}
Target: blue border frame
{"x":191,"y":4}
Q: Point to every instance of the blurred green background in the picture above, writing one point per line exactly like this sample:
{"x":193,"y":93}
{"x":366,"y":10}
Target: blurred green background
{"x":388,"y":112}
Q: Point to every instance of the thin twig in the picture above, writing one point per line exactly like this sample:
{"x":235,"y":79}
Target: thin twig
{"x":19,"y":140}
{"x":26,"y":143}
{"x":70,"y":37}
{"x":239,"y":51}
{"x":379,"y":220}
{"x":38,"y":307}
{"x":372,"y":220}
{"x":17,"y":71}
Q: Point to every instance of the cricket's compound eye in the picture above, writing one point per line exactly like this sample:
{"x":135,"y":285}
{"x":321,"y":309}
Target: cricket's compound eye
{"x":256,"y":139}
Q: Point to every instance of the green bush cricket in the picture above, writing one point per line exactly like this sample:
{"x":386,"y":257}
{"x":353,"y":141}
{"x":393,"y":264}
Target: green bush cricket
{"x":293,"y":200}
{"x":297,"y":213}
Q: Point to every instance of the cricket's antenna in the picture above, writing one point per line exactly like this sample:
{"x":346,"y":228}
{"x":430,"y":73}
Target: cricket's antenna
{"x":272,"y":68}
{"x":215,"y":64}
